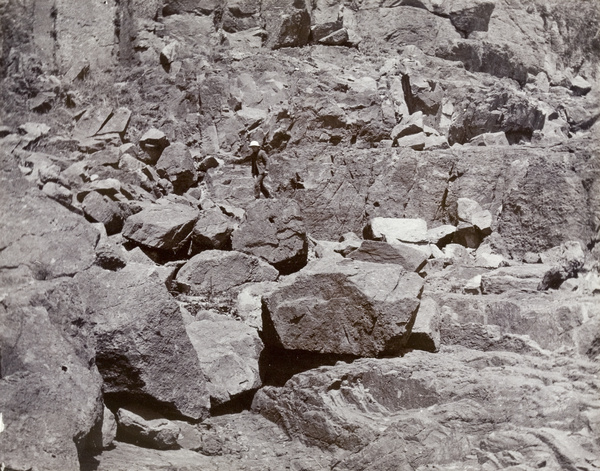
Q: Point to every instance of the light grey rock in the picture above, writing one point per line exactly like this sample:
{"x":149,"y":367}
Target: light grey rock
{"x":163,"y":227}
{"x":216,"y":271}
{"x":160,"y":434}
{"x":228,"y":352}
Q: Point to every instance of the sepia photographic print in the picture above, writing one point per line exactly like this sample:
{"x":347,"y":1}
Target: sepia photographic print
{"x":299,"y":235}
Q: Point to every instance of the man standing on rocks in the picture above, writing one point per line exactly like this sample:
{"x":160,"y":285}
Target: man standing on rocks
{"x":259,"y":170}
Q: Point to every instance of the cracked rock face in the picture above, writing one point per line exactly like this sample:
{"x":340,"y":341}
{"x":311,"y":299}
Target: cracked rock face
{"x":274,"y":231}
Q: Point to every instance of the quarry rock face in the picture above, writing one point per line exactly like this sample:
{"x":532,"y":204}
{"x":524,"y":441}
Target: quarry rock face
{"x":419,"y":290}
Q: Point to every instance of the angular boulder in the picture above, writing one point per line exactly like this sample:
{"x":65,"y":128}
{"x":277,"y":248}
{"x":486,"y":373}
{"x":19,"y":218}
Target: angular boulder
{"x":274,"y":230}
{"x":217,"y":271}
{"x":471,"y":15}
{"x":228,"y":352}
{"x":287,"y":23}
{"x":425,"y":333}
{"x":177,"y":165}
{"x":519,"y":277}
{"x":153,"y":142}
{"x":411,"y":258}
{"x":143,"y":350}
{"x":162,"y":227}
{"x":346,"y":308}
{"x":102,"y":209}
{"x":397,"y":229}
{"x":213,"y":230}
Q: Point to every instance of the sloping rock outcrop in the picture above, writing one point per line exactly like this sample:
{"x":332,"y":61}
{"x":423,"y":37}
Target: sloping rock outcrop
{"x":372,"y":407}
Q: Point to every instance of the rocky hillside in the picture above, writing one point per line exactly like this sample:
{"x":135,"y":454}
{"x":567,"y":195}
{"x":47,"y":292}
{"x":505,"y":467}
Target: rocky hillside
{"x":421,"y":292}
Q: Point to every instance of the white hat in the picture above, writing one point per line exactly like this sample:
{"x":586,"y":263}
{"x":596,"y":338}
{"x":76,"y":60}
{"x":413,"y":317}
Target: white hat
{"x":254,"y":144}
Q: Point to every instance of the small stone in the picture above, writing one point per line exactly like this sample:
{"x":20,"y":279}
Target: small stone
{"x":160,"y":434}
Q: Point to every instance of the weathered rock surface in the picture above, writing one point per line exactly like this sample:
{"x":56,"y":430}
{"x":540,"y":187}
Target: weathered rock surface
{"x":350,"y":307}
{"x":154,"y":433}
{"x":176,"y":165}
{"x":216,"y":271}
{"x":50,"y":389}
{"x":43,"y":235}
{"x":398,"y":230}
{"x":143,"y":350}
{"x":163,"y":227}
{"x":273,"y":230}
{"x":362,"y":406}
{"x":411,"y":258}
{"x":329,"y":89}
{"x":228,"y":353}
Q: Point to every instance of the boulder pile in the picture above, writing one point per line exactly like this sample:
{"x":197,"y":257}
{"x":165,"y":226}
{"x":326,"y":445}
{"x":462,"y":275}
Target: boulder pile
{"x":420,"y":292}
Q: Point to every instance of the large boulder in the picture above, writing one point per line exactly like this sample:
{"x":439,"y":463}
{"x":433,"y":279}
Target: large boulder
{"x":177,"y":165}
{"x":216,"y":271}
{"x":274,"y":230}
{"x":213,"y":230}
{"x":162,"y":227}
{"x":347,"y":308}
{"x":143,"y":350}
{"x":228,"y":352}
{"x":50,"y":388}
{"x":397,"y":230}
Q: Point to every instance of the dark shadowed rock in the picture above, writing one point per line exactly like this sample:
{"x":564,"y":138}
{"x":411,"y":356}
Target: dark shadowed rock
{"x":273,"y":230}
{"x":469,"y":15}
{"x":350,"y":307}
{"x":163,"y":227}
{"x":102,"y":209}
{"x":411,"y":258}
{"x":153,"y":142}
{"x":50,"y":389}
{"x":177,"y":166}
{"x":143,"y":351}
{"x":213,"y":229}
{"x":216,"y":271}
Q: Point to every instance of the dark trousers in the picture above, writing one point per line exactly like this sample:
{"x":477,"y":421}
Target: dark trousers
{"x":261,"y":187}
